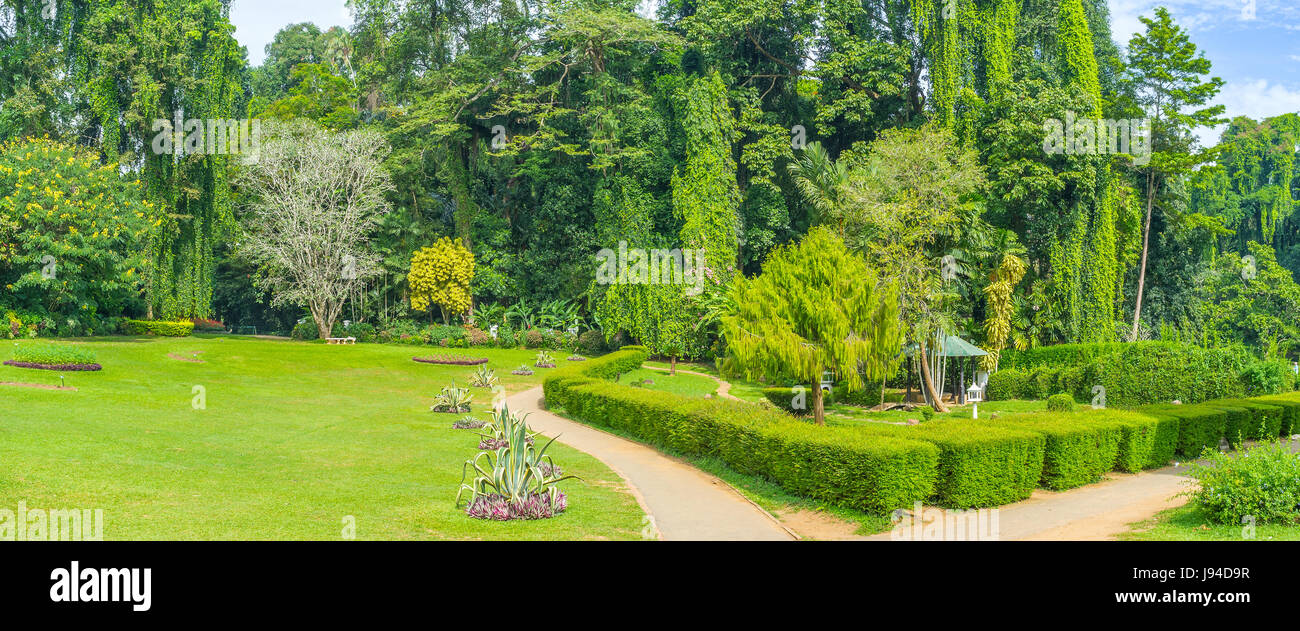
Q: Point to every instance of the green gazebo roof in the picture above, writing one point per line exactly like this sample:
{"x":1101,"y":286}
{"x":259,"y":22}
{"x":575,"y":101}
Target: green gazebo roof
{"x":954,"y":346}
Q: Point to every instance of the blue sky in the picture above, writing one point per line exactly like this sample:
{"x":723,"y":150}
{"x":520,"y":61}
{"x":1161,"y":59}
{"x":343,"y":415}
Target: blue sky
{"x":1253,"y":44}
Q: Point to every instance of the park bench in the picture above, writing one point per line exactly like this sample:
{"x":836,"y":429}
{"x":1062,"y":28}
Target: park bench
{"x":341,"y":340}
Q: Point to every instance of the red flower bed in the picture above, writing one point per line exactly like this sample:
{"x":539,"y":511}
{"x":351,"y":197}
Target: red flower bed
{"x":60,"y":367}
{"x":452,"y":360}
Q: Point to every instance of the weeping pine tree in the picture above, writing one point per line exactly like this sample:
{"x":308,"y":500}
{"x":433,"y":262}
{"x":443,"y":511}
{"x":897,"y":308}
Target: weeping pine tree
{"x":816,"y":307}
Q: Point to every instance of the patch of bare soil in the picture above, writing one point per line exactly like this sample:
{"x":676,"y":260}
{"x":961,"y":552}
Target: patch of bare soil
{"x":812,"y":524}
{"x":193,"y":358}
{"x":1108,"y":525}
{"x":39,"y":386}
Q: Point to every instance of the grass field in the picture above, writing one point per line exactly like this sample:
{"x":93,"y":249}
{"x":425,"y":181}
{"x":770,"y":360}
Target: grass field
{"x":1187,"y":523}
{"x":681,"y":383}
{"x":295,"y":438}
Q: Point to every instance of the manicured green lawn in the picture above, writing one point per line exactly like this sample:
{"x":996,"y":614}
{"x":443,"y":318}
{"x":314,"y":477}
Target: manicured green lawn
{"x":681,"y":383}
{"x":1188,"y":524}
{"x":294,"y":438}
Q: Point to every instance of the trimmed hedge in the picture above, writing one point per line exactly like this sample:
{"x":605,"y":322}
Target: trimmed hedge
{"x":1148,"y":441}
{"x":1132,"y":374}
{"x":878,"y":467}
{"x":158,"y":327}
{"x":834,"y":464}
{"x":1290,"y":404}
{"x":1080,"y":447}
{"x":1258,"y":420}
{"x":1058,"y":355}
{"x":1199,"y":426}
{"x":979,"y":465}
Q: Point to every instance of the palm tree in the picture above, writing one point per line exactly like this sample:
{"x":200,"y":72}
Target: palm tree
{"x":338,"y":50}
{"x":821,"y":182}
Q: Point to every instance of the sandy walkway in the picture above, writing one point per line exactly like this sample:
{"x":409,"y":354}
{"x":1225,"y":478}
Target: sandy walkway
{"x":683,"y":502}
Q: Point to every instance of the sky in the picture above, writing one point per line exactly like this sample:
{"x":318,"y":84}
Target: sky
{"x":1254,"y":45}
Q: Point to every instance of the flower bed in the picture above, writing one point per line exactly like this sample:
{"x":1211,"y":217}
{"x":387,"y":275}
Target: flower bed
{"x":451,"y":360}
{"x":59,"y":367}
{"x":499,"y":508}
{"x":61,"y":357}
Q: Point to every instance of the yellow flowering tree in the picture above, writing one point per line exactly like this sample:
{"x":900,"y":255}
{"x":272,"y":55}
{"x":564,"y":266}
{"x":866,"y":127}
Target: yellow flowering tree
{"x":440,"y":275}
{"x":72,"y":235}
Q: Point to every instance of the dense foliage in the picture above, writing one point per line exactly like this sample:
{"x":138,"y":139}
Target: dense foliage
{"x":540,"y":134}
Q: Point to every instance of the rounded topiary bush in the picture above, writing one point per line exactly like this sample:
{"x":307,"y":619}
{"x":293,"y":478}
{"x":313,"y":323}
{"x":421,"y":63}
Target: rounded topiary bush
{"x":1060,"y":403}
{"x":591,"y":343}
{"x":533,"y":338}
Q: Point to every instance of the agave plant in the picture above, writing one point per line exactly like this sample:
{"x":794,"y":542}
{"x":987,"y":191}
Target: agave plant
{"x":499,"y":430}
{"x":452,"y":400}
{"x":544,"y":360}
{"x":523,"y":369}
{"x":483,"y":377}
{"x":517,"y":480}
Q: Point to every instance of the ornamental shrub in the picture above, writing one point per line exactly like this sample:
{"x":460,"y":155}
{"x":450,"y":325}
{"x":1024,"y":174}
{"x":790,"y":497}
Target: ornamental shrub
{"x":158,"y":327}
{"x":305,"y":331}
{"x":1060,"y":403}
{"x":1262,"y":484}
{"x":440,"y":276}
{"x":591,"y":343}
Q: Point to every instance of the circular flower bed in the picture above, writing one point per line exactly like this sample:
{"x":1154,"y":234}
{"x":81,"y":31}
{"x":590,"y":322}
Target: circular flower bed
{"x":468,"y":422}
{"x":544,"y":365}
{"x":576,"y":358}
{"x":500,"y":508}
{"x":59,"y":367}
{"x":451,"y":360}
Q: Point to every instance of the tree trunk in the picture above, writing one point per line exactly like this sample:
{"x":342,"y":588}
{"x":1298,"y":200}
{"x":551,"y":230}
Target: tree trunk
{"x":927,"y":384}
{"x":672,"y":365}
{"x":819,"y":406}
{"x":325,"y":326}
{"x":1142,"y":268}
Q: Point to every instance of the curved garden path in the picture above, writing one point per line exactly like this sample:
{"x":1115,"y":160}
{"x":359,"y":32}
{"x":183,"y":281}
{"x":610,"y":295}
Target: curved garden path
{"x":1094,"y":512}
{"x":724,"y":387}
{"x":683,"y":502}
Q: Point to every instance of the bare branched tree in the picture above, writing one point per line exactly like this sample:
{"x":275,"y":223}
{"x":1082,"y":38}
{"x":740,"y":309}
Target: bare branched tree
{"x":317,"y":196}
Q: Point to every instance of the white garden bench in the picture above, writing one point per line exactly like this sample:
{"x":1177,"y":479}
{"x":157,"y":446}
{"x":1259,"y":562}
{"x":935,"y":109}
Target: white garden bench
{"x":341,"y":340}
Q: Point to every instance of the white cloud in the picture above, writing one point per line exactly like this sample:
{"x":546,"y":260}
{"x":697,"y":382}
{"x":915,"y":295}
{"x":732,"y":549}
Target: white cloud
{"x":1201,"y":15}
{"x":1256,"y":98}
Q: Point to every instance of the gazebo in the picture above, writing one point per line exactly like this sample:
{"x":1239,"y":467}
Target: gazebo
{"x":954,"y":346}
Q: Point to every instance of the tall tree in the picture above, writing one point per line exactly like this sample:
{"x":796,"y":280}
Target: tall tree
{"x":816,"y":307}
{"x":316,"y":198}
{"x":1167,"y":71}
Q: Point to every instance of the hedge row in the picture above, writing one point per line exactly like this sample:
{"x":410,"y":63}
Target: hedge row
{"x":1207,"y":424}
{"x":157,"y":327}
{"x":958,"y":463}
{"x":1133,"y":374}
{"x":991,"y":466}
{"x":837,"y":465}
